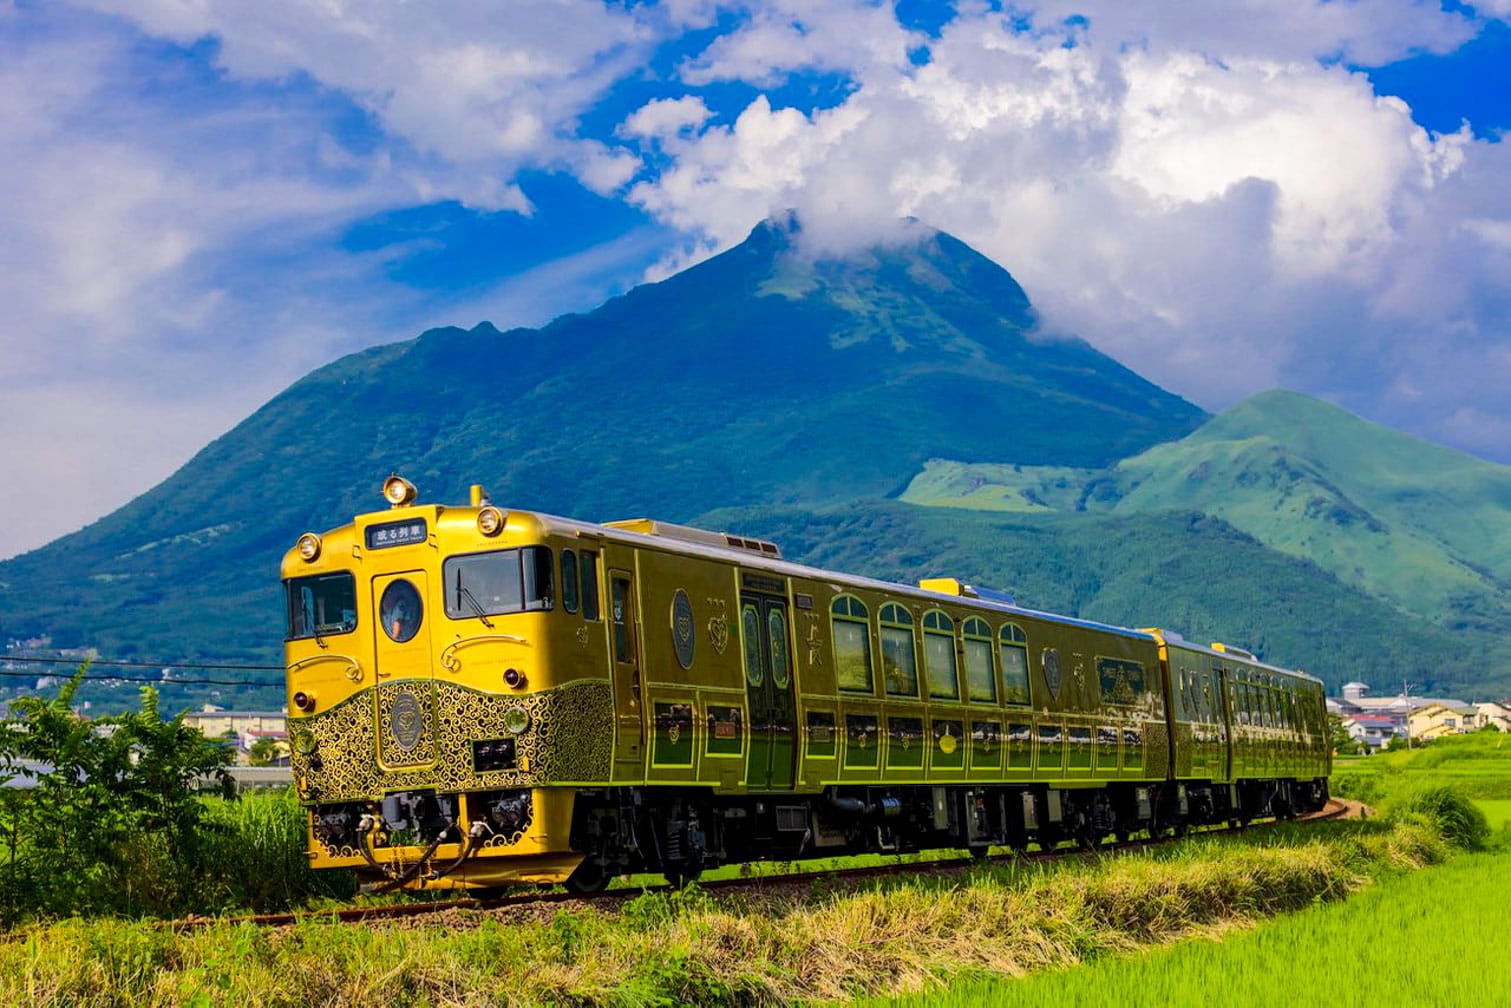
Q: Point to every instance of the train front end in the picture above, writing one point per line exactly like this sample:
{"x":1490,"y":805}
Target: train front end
{"x":433,"y":727}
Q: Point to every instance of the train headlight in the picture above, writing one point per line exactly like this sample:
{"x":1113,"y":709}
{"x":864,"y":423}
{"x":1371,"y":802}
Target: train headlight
{"x":309,"y":547}
{"x":489,"y":521}
{"x":514,"y":678}
{"x":304,"y":701}
{"x":398,"y":491}
{"x":516,"y":720}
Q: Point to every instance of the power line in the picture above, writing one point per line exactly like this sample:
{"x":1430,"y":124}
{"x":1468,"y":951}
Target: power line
{"x":156,"y":680}
{"x":126,"y":663}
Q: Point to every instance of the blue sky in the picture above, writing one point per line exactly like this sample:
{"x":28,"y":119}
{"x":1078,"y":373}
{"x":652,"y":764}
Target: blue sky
{"x":205,"y":200}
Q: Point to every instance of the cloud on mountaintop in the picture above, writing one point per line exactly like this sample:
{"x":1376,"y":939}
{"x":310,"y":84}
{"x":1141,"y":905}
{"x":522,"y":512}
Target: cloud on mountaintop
{"x":1212,"y":197}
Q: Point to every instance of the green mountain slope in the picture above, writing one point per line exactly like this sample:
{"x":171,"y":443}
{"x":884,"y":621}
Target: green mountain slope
{"x":1422,"y":527}
{"x":755,"y":377}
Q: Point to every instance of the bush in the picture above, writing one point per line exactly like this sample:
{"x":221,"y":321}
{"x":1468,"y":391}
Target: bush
{"x":1447,"y":810}
{"x":112,"y":824}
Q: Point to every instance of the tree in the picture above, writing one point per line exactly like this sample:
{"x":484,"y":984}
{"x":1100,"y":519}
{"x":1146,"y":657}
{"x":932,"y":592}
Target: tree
{"x":264,"y":752}
{"x":112,"y":824}
{"x":1344,"y":744}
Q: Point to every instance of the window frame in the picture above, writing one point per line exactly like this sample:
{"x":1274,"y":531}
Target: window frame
{"x":1012,"y":635}
{"x":939,"y":625}
{"x":529,"y":576}
{"x":861,"y":619}
{"x":898,"y":625}
{"x":315,"y":630}
{"x":982,"y":636}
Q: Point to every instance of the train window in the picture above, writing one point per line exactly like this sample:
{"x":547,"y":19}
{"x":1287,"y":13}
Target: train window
{"x":939,"y":656}
{"x":750,"y":623}
{"x":569,"y":580}
{"x":400,"y":611}
{"x":980,"y":683}
{"x":852,"y":644}
{"x":899,"y":662}
{"x":776,"y":631}
{"x":1013,"y":647}
{"x":491,"y":584}
{"x":589,"y":585}
{"x":619,"y":600}
{"x":321,"y":605}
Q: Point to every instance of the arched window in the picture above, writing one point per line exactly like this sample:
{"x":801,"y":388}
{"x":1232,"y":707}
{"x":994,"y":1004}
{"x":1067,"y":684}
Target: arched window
{"x":981,"y":683}
{"x":899,"y":661}
{"x":852,"y":644}
{"x":1013,"y":647}
{"x":939,"y":656}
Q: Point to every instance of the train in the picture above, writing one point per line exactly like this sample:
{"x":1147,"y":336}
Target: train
{"x":482,"y":697}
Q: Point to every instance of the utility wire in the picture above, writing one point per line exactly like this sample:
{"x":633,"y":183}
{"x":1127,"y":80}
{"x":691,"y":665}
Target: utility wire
{"x":125,"y":663}
{"x":249,"y":683}
{"x":149,"y":679}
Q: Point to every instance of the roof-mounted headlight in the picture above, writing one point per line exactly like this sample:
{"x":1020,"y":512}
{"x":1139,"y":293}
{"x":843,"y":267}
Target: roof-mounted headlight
{"x":308,"y":547}
{"x":398,"y":491}
{"x":489,"y":520}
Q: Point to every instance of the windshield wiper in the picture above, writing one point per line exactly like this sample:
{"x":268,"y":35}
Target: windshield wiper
{"x":463,"y":593}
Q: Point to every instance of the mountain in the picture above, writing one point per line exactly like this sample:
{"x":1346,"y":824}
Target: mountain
{"x":1419,"y":528}
{"x":758,"y":377}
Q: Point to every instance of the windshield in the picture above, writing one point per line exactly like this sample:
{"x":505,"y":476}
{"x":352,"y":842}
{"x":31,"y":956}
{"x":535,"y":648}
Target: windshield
{"x":487,"y":584}
{"x":322,"y":604}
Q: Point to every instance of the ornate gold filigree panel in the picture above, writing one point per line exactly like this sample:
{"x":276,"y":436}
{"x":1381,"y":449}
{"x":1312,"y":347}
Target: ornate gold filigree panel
{"x":570,"y":739}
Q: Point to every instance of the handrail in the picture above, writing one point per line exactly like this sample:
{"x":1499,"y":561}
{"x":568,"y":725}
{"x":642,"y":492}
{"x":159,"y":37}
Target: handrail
{"x":354,"y":673}
{"x":450,"y":662}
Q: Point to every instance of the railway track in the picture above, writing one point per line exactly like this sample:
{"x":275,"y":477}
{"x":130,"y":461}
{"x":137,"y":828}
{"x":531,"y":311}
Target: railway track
{"x":544,"y":898}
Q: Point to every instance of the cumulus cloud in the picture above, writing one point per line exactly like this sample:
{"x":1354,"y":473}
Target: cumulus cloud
{"x":1213,"y":199}
{"x":479,"y":91}
{"x":1205,"y":192}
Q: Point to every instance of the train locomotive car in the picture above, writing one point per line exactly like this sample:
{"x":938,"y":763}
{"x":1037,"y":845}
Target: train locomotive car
{"x":481,"y":697}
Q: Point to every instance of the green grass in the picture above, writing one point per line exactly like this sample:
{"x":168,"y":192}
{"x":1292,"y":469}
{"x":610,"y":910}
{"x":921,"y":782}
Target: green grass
{"x":1433,"y":938}
{"x":826,"y":941}
{"x":1421,"y":937}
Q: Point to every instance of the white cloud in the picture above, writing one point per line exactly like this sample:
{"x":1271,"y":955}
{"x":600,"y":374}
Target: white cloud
{"x":1200,"y":196}
{"x":480,"y":91}
{"x":1362,"y":32}
{"x":1200,"y":190}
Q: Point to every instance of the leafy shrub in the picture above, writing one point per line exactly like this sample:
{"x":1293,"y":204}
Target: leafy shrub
{"x":112,"y":824}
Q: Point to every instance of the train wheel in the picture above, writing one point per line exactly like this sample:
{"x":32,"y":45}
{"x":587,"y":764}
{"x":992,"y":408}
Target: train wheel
{"x":678,"y":878}
{"x":588,"y":877}
{"x":979,"y":852}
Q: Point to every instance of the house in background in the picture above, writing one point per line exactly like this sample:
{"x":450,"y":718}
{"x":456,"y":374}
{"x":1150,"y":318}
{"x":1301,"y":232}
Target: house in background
{"x":1441,"y":717}
{"x":241,"y":727}
{"x":1496,"y":713}
{"x":1374,"y":730}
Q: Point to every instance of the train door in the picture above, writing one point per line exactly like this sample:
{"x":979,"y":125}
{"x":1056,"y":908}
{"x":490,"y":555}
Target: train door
{"x":765,"y":637}
{"x":404,"y":690}
{"x":1226,"y":723}
{"x":624,"y":623}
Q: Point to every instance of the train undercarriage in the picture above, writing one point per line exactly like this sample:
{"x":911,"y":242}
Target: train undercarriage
{"x":426,"y":839}
{"x":680,"y":833}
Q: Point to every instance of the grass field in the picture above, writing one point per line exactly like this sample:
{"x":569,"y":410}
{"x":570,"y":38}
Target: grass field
{"x":1431,"y":938}
{"x":1423,"y":938}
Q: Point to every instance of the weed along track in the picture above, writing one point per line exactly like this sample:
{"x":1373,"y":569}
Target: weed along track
{"x":543,"y":904}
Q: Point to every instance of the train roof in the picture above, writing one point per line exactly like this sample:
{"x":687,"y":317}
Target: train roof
{"x":760,"y":559}
{"x":1224,"y":652}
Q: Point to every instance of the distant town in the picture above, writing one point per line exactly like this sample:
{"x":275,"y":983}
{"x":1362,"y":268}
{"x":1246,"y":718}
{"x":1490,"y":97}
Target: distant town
{"x":1376,"y":723}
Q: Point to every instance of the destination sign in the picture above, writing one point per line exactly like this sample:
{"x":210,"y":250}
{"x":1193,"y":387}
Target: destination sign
{"x":399,"y":533}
